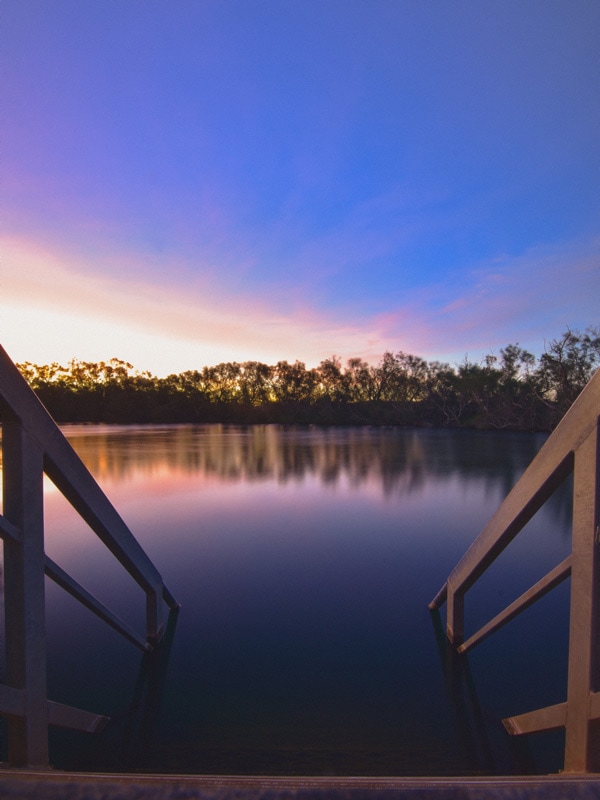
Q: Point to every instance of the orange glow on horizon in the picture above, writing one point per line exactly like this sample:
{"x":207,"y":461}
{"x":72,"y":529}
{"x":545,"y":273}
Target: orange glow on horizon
{"x":51,"y":312}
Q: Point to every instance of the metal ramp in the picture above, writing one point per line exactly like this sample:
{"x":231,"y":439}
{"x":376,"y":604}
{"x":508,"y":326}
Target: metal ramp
{"x":573,"y":447}
{"x":33,"y":445}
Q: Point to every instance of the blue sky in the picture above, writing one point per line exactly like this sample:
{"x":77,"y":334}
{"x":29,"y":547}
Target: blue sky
{"x":187,"y":181}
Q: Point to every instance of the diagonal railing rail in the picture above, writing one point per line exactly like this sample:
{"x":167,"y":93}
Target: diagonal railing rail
{"x":33,"y":445}
{"x":573,"y":447}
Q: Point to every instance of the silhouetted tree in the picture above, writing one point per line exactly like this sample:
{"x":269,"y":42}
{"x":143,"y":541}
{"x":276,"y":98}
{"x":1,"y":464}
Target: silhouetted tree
{"x":509,"y":391}
{"x":293,"y":383}
{"x":567,"y":365}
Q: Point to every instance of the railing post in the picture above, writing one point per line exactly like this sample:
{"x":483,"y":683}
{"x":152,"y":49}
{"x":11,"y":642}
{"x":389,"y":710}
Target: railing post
{"x":582,"y":739}
{"x":455,"y":616}
{"x":24,"y":594}
{"x":154,"y":615}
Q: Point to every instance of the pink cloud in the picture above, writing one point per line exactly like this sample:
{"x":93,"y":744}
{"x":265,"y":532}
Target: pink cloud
{"x":54,"y":306}
{"x":156,"y":326}
{"x":529,"y":299}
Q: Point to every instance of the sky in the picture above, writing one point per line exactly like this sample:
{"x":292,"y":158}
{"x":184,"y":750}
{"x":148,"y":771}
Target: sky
{"x":186,"y":182}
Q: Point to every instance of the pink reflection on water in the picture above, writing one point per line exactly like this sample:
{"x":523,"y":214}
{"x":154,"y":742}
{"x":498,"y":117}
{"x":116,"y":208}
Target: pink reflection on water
{"x":304,"y":561}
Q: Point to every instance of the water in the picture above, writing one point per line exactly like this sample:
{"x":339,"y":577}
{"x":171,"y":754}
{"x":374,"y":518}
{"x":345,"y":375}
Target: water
{"x":304,"y":560}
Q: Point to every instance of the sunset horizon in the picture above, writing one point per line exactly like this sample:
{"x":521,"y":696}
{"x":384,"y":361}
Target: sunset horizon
{"x":231,"y":181}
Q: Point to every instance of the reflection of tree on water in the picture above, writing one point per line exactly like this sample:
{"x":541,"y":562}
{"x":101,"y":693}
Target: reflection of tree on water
{"x":462,"y":695}
{"x":483,"y":740}
{"x":130,"y":739}
{"x":399,"y":458}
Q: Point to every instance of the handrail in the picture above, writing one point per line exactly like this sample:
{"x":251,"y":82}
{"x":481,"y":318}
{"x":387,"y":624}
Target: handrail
{"x":573,"y":447}
{"x":32,"y":444}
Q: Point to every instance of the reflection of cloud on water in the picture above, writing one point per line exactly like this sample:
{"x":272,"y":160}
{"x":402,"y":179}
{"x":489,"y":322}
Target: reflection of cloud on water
{"x":400,"y":460}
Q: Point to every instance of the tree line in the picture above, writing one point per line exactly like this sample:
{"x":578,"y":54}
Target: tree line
{"x":511,"y":390}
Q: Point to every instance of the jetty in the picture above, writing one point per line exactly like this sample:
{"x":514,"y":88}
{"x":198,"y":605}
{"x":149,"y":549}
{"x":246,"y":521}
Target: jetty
{"x":34,"y":446}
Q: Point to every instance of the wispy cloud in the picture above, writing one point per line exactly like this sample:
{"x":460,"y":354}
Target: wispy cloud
{"x":156,"y":326}
{"x":527,"y":298}
{"x":52,"y":308}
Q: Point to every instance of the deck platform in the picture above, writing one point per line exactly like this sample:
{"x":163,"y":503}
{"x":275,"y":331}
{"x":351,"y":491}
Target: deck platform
{"x":50,"y":785}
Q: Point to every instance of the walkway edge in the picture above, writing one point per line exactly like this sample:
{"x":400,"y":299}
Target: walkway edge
{"x":31,"y":785}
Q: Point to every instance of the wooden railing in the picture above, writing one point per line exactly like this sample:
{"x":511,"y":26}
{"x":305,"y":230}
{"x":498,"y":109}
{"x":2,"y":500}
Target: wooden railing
{"x":33,"y":445}
{"x":572,"y":448}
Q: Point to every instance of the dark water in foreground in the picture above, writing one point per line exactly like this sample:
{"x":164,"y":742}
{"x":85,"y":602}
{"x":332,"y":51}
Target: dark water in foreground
{"x":304,"y":560}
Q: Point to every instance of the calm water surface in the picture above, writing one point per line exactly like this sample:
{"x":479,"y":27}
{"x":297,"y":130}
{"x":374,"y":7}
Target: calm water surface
{"x":304,"y":560}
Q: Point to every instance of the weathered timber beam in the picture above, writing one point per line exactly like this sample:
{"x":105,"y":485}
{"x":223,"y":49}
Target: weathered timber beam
{"x":440,"y":598}
{"x":542,"y":587}
{"x":549,"y":718}
{"x":547,"y":470}
{"x":12,"y":702}
{"x":66,"y":470}
{"x":64,"y":716}
{"x":543,"y":719}
{"x":70,"y":585}
{"x":7,"y":529}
